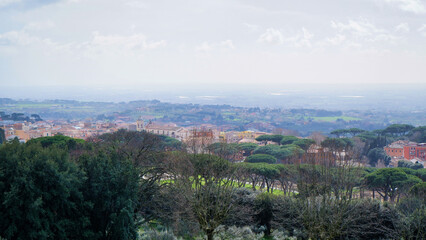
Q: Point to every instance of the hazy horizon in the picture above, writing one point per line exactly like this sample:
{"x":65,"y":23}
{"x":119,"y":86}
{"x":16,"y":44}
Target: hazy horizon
{"x":396,"y":97}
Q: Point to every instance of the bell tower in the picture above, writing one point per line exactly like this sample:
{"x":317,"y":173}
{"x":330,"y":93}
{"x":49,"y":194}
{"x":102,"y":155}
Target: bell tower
{"x":139,"y":125}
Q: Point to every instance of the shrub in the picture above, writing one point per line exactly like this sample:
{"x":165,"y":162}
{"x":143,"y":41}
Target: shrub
{"x":411,"y":221}
{"x":257,"y":158}
{"x":153,"y":234}
{"x":236,"y":233}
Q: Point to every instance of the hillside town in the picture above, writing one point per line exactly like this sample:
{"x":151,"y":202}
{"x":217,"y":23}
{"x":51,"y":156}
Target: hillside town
{"x":26,"y":128}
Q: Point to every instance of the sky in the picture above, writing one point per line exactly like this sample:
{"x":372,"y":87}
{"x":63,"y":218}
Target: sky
{"x":49,"y":46}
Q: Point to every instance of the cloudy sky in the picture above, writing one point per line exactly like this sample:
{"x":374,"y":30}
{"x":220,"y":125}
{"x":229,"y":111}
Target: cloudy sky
{"x":143,"y":44}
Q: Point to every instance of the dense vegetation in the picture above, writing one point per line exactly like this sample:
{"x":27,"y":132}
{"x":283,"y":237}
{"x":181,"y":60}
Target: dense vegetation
{"x":366,"y":146}
{"x":135,"y":185}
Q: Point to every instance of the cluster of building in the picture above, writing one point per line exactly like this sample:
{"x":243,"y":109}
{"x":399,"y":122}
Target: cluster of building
{"x":406,"y":150}
{"x":202,"y":135}
{"x":25,"y":131}
{"x":206,"y":132}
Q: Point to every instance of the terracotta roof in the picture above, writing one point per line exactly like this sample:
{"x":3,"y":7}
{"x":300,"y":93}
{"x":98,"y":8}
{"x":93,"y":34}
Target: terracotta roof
{"x":400,"y":144}
{"x":157,"y":127}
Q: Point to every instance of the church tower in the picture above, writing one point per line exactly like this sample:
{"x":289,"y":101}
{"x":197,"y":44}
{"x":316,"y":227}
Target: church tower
{"x":139,"y":125}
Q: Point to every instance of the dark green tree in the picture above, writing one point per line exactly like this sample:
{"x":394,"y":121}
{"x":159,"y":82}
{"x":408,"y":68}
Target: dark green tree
{"x":288,"y":140}
{"x":398,"y":129}
{"x":59,"y":141}
{"x":171,"y":144}
{"x":419,"y":190}
{"x":355,"y":131}
{"x":248,"y":148}
{"x":261,"y":158}
{"x":40,"y":194}
{"x":265,"y":211}
{"x":408,"y":164}
{"x":376,"y":154}
{"x":387,"y":181}
{"x":268,"y":149}
{"x":351,"y":132}
{"x":337,"y":144}
{"x":111,"y":186}
{"x":411,"y":218}
{"x":224,"y":150}
{"x":339,"y":132}
{"x":418,"y":134}
{"x":212,"y":190}
{"x":304,"y":143}
{"x":2,"y":136}
{"x":274,"y":138}
{"x":268,"y":173}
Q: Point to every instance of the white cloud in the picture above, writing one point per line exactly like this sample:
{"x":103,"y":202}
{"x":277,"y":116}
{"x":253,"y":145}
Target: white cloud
{"x":130,"y":42}
{"x":305,"y":38}
{"x":136,"y":4}
{"x":21,"y":38}
{"x":206,"y":47}
{"x":36,"y":26}
{"x":4,"y":3}
{"x":301,"y":39}
{"x":422,"y":30}
{"x":402,"y":28}
{"x":14,"y":42}
{"x":96,"y":46}
{"x":272,"y":36}
{"x":337,"y":40}
{"x":252,"y":27}
{"x":227,"y":44}
{"x":360,"y":28}
{"x":414,"y":6}
{"x":363,"y":30}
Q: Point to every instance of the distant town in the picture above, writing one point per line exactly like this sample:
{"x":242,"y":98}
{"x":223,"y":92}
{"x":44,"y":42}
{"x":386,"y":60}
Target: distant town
{"x":28,"y":126}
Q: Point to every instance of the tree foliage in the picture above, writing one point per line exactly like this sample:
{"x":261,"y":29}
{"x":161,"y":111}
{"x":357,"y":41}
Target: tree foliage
{"x":248,"y":148}
{"x":212,"y":191}
{"x":418,"y":134}
{"x":111,"y":187}
{"x":288,"y":140}
{"x":389,"y":182}
{"x":304,"y":143}
{"x":351,"y":132}
{"x":408,"y":164}
{"x":59,"y":141}
{"x":2,"y":136}
{"x":40,"y":194}
{"x":114,"y":184}
{"x":224,"y":150}
{"x":398,"y":129}
{"x":376,"y":154}
{"x":261,"y":158}
{"x":274,"y":138}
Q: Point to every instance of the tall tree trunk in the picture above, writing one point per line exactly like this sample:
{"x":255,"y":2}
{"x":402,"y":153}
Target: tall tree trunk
{"x":210,"y":234}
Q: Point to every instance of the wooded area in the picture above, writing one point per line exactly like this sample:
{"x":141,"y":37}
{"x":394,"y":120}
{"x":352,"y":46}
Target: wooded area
{"x":136,"y":185}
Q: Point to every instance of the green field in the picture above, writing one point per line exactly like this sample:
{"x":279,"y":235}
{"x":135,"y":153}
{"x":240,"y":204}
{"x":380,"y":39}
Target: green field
{"x":247,"y":185}
{"x":333,"y":119}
